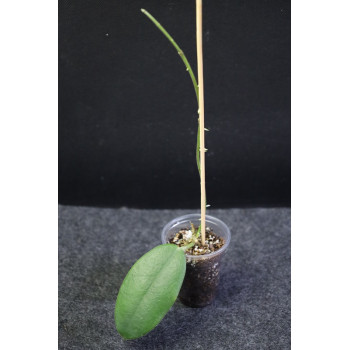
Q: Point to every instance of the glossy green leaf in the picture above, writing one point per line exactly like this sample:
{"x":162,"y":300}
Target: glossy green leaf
{"x":149,"y":290}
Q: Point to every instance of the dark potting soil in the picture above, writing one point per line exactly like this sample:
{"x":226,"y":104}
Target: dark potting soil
{"x":202,"y":275}
{"x":185,"y":236}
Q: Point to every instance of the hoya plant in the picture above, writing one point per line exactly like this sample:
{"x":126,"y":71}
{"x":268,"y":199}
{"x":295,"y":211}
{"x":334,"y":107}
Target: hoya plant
{"x":153,"y":283}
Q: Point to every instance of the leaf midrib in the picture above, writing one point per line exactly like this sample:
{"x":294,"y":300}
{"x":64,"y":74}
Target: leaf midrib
{"x":149,"y":287}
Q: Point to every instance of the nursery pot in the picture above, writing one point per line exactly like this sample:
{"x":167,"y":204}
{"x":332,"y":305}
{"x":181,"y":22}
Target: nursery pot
{"x":202,"y":271}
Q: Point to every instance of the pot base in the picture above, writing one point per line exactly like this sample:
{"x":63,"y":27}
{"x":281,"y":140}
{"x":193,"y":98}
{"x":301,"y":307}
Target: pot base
{"x":200,"y":282}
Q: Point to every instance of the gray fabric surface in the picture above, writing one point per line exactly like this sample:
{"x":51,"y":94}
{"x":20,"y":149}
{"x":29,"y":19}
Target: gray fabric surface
{"x":98,"y":246}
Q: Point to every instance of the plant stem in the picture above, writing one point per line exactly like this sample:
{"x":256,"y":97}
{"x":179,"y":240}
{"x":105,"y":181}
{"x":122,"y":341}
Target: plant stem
{"x":188,"y":246}
{"x":179,"y":51}
{"x":200,"y":149}
{"x":201,"y":112}
{"x":188,"y":68}
{"x":198,"y":231}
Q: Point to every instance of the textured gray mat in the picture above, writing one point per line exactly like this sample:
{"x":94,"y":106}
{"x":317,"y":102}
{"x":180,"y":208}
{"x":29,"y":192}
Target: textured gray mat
{"x":252,"y":308}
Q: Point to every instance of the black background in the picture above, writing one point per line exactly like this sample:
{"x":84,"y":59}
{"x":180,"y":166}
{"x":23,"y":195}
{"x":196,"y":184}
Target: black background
{"x":128,"y":113}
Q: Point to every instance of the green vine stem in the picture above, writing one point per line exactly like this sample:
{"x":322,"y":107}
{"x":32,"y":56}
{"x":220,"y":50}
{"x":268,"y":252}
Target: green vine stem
{"x":194,"y":238}
{"x":188,"y":69}
{"x":179,"y":51}
{"x":188,"y":246}
{"x":196,"y":89}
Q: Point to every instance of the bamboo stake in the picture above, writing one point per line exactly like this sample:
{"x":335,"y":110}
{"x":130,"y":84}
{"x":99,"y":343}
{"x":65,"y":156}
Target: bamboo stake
{"x":201,"y":113}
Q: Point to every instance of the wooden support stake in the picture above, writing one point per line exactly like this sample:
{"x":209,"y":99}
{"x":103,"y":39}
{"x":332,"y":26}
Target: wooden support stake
{"x":199,"y":36}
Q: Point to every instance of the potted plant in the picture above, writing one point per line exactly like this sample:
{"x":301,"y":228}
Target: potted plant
{"x":187,"y":262}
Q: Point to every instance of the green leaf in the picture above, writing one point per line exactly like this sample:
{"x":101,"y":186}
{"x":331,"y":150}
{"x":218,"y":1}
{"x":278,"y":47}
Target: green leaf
{"x":149,"y":290}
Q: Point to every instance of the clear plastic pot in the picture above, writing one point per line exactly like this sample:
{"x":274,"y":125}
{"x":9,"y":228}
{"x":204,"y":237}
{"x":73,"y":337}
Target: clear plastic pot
{"x":202,"y":271}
